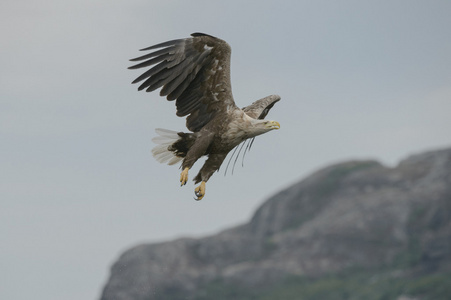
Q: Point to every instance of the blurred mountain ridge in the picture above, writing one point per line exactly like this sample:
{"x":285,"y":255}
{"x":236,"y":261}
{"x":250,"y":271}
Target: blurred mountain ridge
{"x":353,"y":230}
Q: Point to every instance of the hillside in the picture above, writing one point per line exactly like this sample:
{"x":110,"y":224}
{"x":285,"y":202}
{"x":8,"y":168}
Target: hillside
{"x":354,"y":230}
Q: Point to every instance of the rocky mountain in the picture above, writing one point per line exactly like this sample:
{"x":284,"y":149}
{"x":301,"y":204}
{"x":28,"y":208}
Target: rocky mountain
{"x":354,"y":230}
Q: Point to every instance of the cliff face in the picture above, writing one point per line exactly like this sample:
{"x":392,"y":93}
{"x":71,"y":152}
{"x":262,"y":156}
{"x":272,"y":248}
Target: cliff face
{"x":357,"y":214}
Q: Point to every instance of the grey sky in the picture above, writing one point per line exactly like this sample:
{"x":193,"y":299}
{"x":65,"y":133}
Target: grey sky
{"x":78,"y":185}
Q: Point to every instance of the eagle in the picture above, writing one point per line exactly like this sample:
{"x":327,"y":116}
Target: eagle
{"x":195,"y":72}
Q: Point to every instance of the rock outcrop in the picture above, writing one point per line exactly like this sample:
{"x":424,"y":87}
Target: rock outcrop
{"x":356,"y":214}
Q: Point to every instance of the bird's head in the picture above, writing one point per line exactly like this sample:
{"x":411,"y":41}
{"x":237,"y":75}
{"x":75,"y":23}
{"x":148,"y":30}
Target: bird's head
{"x":263,"y":126}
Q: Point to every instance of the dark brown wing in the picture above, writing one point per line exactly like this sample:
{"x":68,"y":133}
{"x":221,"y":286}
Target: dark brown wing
{"x":193,"y":71}
{"x":260,"y":108}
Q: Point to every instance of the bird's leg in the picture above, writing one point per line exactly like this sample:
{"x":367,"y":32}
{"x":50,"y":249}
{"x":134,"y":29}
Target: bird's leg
{"x":200,"y":191}
{"x":184,"y":177}
{"x":201,"y":145}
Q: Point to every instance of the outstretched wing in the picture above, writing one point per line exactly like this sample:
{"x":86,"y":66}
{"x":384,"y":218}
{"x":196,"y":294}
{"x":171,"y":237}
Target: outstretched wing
{"x":260,"y":108}
{"x":195,"y":72}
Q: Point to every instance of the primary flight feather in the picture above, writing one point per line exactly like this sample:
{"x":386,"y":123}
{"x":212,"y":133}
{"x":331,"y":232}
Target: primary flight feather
{"x":195,"y":72}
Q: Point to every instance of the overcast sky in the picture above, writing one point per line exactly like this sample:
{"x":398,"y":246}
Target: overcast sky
{"x":78,"y":184}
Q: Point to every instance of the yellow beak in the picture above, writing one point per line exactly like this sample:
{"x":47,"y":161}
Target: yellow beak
{"x":273,"y":125}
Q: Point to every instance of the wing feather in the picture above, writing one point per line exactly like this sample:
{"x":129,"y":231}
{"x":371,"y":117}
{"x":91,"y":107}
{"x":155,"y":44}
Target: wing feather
{"x":182,"y":86}
{"x":150,"y":55}
{"x":171,"y":43}
{"x":150,"y":62}
{"x":165,"y":76}
{"x":194,"y":71}
{"x":260,"y":108}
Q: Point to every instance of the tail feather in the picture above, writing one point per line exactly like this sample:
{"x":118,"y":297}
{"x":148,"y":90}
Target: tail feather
{"x":166,"y":132}
{"x":171,"y":145}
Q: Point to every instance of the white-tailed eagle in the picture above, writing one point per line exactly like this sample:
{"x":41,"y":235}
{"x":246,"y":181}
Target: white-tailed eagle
{"x":195,"y":72}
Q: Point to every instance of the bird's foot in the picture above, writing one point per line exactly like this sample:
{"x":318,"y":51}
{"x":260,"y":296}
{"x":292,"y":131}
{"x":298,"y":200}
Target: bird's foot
{"x":184,"y":177}
{"x":200,"y":191}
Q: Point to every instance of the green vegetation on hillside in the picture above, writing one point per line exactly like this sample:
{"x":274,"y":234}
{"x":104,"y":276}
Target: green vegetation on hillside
{"x":353,"y":285}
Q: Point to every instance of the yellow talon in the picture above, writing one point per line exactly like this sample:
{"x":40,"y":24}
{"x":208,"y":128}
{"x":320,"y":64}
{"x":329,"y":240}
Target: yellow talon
{"x":184,"y":176}
{"x":200,"y":191}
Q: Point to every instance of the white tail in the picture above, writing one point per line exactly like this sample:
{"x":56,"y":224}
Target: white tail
{"x":164,"y":140}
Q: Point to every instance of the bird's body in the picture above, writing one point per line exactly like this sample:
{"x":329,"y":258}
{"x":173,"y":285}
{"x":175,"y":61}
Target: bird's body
{"x":196,"y":73}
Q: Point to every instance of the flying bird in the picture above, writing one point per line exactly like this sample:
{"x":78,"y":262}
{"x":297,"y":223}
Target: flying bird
{"x":195,"y":72}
